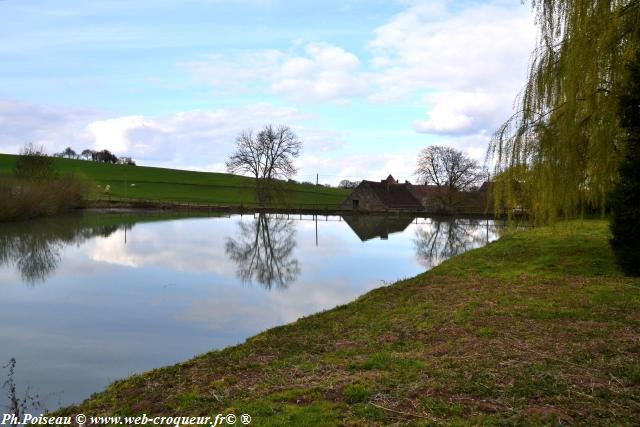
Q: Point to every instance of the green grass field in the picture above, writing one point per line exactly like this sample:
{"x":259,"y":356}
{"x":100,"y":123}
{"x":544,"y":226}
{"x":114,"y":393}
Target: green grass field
{"x":172,"y":185}
{"x":539,"y":328}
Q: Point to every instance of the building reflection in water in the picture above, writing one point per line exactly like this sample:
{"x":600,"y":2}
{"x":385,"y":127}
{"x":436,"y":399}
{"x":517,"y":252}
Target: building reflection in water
{"x":368,"y":227}
{"x":262,"y":247}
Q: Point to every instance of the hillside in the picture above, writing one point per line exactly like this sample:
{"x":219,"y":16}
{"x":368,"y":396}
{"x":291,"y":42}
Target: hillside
{"x":173,"y":185}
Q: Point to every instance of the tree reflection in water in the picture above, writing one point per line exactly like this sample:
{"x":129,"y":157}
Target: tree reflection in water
{"x":442,"y":239}
{"x":34,"y":247}
{"x":264,"y":251}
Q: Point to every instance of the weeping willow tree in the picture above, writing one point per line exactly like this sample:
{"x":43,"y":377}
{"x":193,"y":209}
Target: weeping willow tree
{"x":559,"y":154}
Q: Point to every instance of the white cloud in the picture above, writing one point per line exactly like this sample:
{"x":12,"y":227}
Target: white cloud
{"x":198,"y":140}
{"x":358,"y":166}
{"x":472,"y":61}
{"x":479,"y":45}
{"x":113,"y":134}
{"x":327,"y":73}
{"x":464,"y":112}
{"x":469,"y":60}
{"x":201,"y":138}
{"x":324,"y":72}
{"x":52,"y":127}
{"x":463,"y":63}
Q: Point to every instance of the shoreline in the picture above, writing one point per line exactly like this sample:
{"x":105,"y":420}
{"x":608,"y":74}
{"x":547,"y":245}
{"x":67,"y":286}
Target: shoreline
{"x":483,"y":338}
{"x":244,"y":209}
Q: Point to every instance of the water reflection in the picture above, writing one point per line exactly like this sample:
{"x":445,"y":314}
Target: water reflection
{"x":34,"y":247}
{"x":263,"y":251}
{"x":440,"y":239}
{"x":117,"y":299}
{"x":262,"y":248}
{"x":369,"y":227}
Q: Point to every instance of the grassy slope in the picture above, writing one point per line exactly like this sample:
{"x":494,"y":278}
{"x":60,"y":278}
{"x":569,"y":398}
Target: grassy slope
{"x":179,"y":185}
{"x":537,"y":328}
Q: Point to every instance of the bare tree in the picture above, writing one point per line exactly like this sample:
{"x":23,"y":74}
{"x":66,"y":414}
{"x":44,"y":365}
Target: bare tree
{"x":448,"y":169}
{"x":267,"y":156}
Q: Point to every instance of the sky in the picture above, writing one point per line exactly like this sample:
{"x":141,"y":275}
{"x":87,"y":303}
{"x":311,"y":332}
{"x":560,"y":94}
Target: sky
{"x":365,"y":84}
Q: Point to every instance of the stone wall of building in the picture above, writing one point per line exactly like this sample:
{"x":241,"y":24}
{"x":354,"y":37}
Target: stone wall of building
{"x":367,"y":200}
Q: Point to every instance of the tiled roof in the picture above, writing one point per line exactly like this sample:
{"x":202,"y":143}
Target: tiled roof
{"x":394,"y":195}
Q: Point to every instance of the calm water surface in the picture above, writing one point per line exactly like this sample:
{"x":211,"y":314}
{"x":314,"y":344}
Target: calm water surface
{"x":89,"y":299}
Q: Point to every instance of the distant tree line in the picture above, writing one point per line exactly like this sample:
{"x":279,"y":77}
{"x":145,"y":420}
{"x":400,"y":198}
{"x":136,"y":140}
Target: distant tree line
{"x":293,"y":181}
{"x":102,"y":156}
{"x":345,"y":183}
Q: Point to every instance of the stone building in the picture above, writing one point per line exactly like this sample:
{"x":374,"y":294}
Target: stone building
{"x":382,"y":196}
{"x":390,"y":195}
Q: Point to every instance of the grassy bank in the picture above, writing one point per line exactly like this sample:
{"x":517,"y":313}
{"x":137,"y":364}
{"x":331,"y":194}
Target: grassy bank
{"x":174,"y":185}
{"x":539,"y":328}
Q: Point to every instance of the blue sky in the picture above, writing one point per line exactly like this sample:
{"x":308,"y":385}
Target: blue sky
{"x":365,"y":84}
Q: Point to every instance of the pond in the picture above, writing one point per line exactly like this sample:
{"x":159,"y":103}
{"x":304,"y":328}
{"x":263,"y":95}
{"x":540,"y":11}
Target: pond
{"x":91,"y":298}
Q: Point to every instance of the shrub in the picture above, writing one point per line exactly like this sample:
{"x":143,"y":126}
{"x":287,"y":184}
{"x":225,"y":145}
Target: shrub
{"x":625,"y":200}
{"x":34,"y":164}
{"x":23,"y":199}
{"x":36,"y":190}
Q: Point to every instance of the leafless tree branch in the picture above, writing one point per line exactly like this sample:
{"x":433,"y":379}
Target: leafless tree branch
{"x":267,"y":156}
{"x":448,"y":169}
